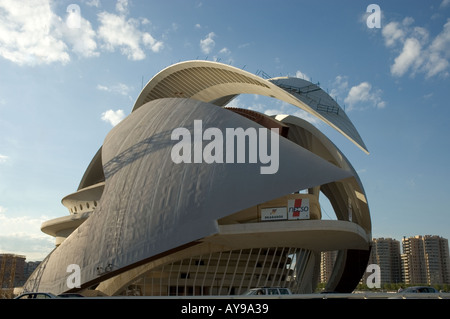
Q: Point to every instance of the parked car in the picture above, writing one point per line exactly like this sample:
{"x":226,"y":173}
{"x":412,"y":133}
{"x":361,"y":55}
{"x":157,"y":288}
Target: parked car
{"x":419,"y":289}
{"x":70,"y":295}
{"x":267,"y":291}
{"x":417,"y":292}
{"x":36,"y":295}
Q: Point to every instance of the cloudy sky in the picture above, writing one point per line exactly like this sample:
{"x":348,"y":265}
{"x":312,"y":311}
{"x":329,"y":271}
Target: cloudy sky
{"x":71,"y":70}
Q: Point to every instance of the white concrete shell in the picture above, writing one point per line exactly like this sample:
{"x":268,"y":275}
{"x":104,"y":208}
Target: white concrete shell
{"x":145,"y":211}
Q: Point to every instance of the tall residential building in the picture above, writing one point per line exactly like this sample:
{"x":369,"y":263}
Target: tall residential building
{"x":11,"y":273}
{"x":425,"y":260}
{"x":11,"y":270}
{"x":386,"y":254}
{"x":327,"y":259}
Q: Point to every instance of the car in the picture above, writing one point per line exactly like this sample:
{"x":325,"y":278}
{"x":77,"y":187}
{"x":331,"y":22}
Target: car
{"x":417,"y":292}
{"x":36,"y":295}
{"x":268,"y":291}
{"x":70,"y":295}
{"x":419,"y":289}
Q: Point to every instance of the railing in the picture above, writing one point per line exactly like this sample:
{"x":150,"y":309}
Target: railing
{"x":304,"y":92}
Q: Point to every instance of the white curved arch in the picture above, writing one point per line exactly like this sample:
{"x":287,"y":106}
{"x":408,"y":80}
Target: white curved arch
{"x":352,"y":187}
{"x":218,"y":83}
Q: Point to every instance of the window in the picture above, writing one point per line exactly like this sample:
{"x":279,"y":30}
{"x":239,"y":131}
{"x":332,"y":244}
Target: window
{"x":284,"y":291}
{"x":273,"y":291}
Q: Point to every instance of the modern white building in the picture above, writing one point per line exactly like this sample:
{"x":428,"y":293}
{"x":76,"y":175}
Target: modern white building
{"x":167,"y":206}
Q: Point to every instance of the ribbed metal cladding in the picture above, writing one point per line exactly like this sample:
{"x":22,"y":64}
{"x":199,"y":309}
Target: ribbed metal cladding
{"x":226,"y":273}
{"x":188,"y":82}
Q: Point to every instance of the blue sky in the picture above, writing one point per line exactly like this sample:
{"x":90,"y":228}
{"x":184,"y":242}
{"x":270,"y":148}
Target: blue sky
{"x":62,"y":89}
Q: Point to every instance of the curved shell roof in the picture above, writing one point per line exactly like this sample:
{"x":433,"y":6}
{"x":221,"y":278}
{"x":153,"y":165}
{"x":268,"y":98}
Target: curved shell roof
{"x":151,"y":205}
{"x":219,"y":83}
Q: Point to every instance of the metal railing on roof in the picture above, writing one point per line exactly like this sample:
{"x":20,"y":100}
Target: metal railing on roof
{"x":304,"y":91}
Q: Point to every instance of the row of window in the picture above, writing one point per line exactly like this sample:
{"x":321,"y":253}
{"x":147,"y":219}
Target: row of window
{"x":88,"y":206}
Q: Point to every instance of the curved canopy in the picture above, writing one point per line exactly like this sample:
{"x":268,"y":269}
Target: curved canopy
{"x":219,"y":83}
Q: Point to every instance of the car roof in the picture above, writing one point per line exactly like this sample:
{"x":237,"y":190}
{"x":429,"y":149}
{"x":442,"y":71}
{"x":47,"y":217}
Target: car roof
{"x":35,"y":293}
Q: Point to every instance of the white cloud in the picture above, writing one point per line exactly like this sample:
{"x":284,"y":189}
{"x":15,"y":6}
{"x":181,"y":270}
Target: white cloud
{"x":339,"y":87}
{"x":271,"y":112}
{"x":236,"y":103}
{"x":241,"y":46}
{"x":301,"y":75}
{"x":144,"y":21}
{"x":307,"y":117}
{"x":421,"y":34}
{"x":119,"y":88}
{"x":20,"y":224}
{"x":417,"y":54}
{"x":33,"y":247}
{"x":93,"y":3}
{"x":442,"y":40}
{"x":150,"y":42}
{"x":117,"y":32}
{"x":113,"y":117}
{"x":122,"y":6}
{"x":358,"y":93}
{"x":22,"y":235}
{"x":436,"y":64}
{"x":208,"y":43}
{"x":408,"y":57}
{"x":361,"y":96}
{"x":29,"y":33}
{"x":445,"y":3}
{"x":392,"y":33}
{"x":225,"y":51}
{"x":32,"y":34}
{"x":271,"y":107}
{"x":3,"y":159}
{"x":81,"y":38}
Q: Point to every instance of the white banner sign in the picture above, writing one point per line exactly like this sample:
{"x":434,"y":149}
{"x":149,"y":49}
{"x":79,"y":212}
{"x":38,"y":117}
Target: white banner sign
{"x":277,"y":213}
{"x":298,"y":208}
